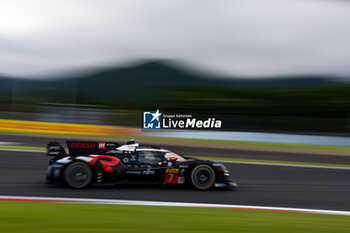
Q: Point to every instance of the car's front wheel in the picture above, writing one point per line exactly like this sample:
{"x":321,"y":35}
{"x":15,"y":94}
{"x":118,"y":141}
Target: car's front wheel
{"x":203,"y":177}
{"x":78,"y":175}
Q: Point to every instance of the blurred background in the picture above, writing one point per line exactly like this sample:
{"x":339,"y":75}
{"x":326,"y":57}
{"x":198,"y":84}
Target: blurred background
{"x":275,"y":72}
{"x":261,"y":66}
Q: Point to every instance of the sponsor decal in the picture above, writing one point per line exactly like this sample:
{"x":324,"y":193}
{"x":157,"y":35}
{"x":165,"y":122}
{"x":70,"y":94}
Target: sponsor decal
{"x":173,"y":170}
{"x":111,"y":144}
{"x":158,"y":120}
{"x":114,"y":152}
{"x":133,"y":172}
{"x":107,"y":162}
{"x":149,"y":172}
{"x":182,"y":172}
{"x":171,"y":176}
{"x":85,"y":145}
{"x":125,"y":159}
{"x":181,"y":180}
{"x":133,"y":158}
{"x":101,"y":145}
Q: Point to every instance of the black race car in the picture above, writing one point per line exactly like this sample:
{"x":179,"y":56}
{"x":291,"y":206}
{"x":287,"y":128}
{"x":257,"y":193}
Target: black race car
{"x":111,"y":163}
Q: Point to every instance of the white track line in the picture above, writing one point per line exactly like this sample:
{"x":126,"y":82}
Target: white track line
{"x":284,"y":164}
{"x":19,"y":150}
{"x":9,"y":143}
{"x":224,"y":161}
{"x":169,"y":204}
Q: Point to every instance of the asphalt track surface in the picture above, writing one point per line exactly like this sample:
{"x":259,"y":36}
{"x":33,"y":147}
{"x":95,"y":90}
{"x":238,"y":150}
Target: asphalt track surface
{"x":23,"y":174}
{"x":197,"y":151}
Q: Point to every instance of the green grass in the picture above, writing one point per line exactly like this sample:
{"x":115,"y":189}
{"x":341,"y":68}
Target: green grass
{"x":41,"y":217}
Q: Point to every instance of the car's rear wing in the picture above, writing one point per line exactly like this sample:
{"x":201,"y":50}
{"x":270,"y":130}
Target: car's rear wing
{"x":80,"y":148}
{"x":88,"y":147}
{"x":55,"y":149}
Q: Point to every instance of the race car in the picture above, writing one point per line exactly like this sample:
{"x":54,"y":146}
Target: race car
{"x":111,"y":163}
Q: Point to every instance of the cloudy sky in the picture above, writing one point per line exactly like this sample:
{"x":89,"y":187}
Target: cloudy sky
{"x":232,"y":37}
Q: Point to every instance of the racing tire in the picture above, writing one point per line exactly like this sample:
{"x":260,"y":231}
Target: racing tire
{"x":78,"y":175}
{"x":203,"y":177}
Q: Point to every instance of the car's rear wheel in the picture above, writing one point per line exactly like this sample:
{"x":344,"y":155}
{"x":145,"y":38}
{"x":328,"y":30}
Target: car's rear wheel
{"x":203,"y":177}
{"x":78,"y":175}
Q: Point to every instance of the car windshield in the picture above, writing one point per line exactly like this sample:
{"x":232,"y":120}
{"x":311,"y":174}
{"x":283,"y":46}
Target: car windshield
{"x":149,"y":157}
{"x":170,"y":155}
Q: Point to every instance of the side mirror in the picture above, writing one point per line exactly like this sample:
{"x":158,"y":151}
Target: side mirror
{"x":173,"y":159}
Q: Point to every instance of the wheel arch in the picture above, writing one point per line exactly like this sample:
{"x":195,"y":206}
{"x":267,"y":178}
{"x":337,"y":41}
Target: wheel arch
{"x":92,"y":169}
{"x":202,"y":164}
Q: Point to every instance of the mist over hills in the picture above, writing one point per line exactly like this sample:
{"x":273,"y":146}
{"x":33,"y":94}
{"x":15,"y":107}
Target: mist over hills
{"x":145,"y":81}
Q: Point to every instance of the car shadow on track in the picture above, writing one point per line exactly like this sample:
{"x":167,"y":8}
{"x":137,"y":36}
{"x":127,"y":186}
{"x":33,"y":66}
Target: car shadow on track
{"x":97,"y":187}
